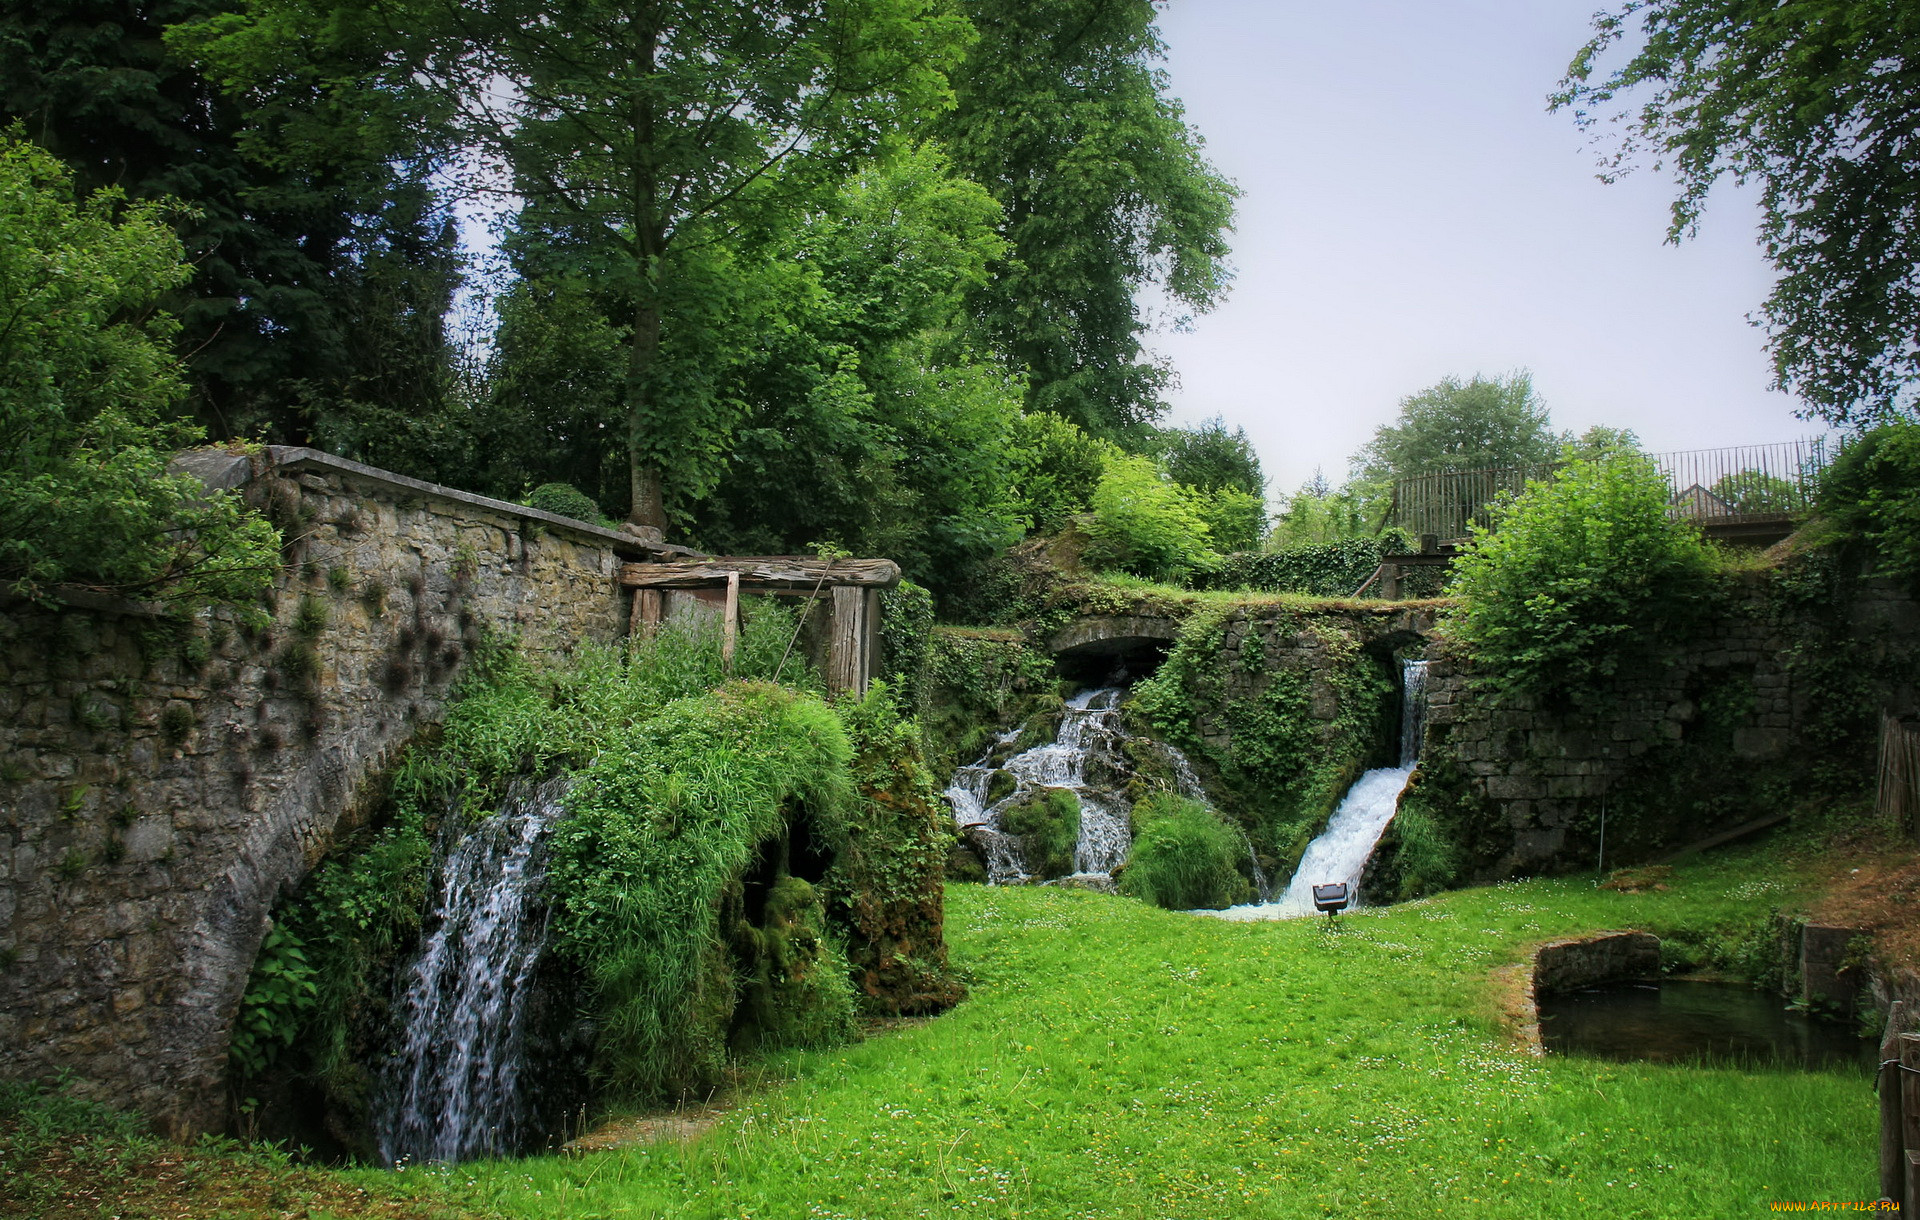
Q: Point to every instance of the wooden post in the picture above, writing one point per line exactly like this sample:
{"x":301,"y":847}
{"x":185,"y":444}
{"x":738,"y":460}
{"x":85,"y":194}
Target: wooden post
{"x":646,"y":612}
{"x":846,"y":633}
{"x":1390,"y":587}
{"x":1910,"y":1116}
{"x":730,"y":629}
{"x":1893,"y":1169}
{"x":870,"y":639}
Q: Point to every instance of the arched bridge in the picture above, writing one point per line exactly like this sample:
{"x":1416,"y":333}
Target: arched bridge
{"x":1093,"y":647}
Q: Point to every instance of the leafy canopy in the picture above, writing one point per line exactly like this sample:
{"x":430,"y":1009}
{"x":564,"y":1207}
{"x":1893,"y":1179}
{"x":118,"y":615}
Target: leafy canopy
{"x":1812,"y":100}
{"x":1462,"y":425}
{"x":1062,"y":114}
{"x":1578,"y":570}
{"x":87,"y":392}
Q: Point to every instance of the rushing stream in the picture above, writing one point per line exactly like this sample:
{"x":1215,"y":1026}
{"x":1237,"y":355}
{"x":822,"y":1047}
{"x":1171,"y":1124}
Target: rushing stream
{"x":454,"y":1089}
{"x":1341,"y":851}
{"x":1087,"y":758}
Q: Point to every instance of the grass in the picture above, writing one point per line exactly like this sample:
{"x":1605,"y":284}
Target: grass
{"x":1117,"y":1060}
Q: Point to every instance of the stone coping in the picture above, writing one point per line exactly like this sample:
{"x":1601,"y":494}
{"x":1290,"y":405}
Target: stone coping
{"x":1563,"y":965}
{"x":299,"y":457}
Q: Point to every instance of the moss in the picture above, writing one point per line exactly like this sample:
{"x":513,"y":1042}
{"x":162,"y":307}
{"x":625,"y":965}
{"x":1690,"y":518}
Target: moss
{"x":176,"y":721}
{"x":1047,"y":822}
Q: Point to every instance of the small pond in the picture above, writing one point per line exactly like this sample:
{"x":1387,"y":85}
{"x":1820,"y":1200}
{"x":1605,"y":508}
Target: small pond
{"x":1690,"y":1021}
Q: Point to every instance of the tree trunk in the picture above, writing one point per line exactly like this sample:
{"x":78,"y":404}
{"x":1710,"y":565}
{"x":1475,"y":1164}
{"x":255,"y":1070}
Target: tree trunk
{"x":649,"y":506}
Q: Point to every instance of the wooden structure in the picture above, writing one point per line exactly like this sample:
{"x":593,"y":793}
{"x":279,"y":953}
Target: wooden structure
{"x":1898,"y":792}
{"x":712,"y":584}
{"x":1899,"y":1083}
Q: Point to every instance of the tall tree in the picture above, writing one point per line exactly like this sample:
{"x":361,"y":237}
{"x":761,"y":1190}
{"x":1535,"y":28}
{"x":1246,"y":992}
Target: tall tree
{"x":1209,"y":457}
{"x":641,"y":133}
{"x":1817,"y":102}
{"x":1063,"y":115}
{"x":287,"y":251}
{"x":1462,"y":425}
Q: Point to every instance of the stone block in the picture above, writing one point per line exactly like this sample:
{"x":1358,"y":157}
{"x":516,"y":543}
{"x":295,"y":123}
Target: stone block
{"x":1619,"y":957}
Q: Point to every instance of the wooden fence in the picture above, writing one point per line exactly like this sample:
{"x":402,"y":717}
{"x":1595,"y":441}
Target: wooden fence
{"x":1713,"y":486}
{"x":1899,"y":787}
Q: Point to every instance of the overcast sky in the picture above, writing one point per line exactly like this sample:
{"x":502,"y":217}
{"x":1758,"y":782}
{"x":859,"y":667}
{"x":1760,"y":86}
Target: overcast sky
{"x":1411,"y":210}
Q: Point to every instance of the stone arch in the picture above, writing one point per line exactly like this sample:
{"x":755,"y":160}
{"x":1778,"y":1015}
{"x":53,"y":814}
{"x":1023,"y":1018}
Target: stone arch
{"x":1098,"y":647}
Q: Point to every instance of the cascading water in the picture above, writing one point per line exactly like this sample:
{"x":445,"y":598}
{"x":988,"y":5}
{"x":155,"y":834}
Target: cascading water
{"x":454,"y":1089}
{"x":1341,"y":851}
{"x":1084,"y":755}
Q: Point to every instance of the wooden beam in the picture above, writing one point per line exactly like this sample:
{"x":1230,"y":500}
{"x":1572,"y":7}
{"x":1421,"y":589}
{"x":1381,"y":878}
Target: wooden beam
{"x":846,"y":637}
{"x":646,"y":612}
{"x":730,"y":628}
{"x":762,"y":571}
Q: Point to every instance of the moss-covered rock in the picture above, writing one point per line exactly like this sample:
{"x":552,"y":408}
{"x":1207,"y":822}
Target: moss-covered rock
{"x":1047,"y":823}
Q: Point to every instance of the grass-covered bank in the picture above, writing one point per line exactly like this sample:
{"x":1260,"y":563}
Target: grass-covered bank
{"x":1117,"y":1060}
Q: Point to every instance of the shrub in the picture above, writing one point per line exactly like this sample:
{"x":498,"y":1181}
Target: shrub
{"x":1184,"y":857}
{"x":1054,"y":467}
{"x":1872,"y":493}
{"x":1146,"y":524}
{"x":1582,"y":571}
{"x":1329,"y":569}
{"x":1236,"y":520}
{"x":565,"y":500}
{"x":660,"y":825}
{"x":87,"y":393}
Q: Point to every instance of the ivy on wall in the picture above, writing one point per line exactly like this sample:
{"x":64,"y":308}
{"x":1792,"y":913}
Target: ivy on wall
{"x":1283,"y":705}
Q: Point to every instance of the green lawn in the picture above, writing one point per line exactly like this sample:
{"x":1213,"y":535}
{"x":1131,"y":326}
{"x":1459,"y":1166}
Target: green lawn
{"x":1116,"y":1060}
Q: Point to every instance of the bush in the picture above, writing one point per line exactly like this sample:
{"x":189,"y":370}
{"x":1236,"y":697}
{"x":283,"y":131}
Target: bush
{"x":1054,"y":467}
{"x":1581,"y":572}
{"x":1184,"y":857}
{"x":1048,"y":823}
{"x":1236,"y":520}
{"x":1146,"y":524}
{"x":87,"y":391}
{"x":565,"y":500}
{"x":1872,"y":493}
{"x":1331,"y":569}
{"x":660,"y":826}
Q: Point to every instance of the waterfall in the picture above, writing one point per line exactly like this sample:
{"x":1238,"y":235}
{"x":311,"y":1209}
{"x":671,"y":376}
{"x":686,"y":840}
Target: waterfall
{"x":453,"y":1089}
{"x":1341,"y":851}
{"x":1090,"y":733}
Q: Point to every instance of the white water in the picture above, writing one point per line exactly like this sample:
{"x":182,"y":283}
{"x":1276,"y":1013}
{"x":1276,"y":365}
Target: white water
{"x":453,"y":1090}
{"x":1090,"y":729}
{"x":1340,"y":853}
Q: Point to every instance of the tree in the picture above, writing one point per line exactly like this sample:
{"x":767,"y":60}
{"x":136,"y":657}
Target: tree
{"x":641,"y":134}
{"x":321,"y":265}
{"x":1145,"y":523}
{"x":1062,"y":115}
{"x":1813,"y":101}
{"x":1209,"y":457}
{"x":1456,"y":425}
{"x":1318,"y":514}
{"x":87,"y":393}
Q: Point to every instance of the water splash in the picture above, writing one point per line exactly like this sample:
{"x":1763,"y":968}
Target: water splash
{"x":1340,"y":853}
{"x":454,"y":1089}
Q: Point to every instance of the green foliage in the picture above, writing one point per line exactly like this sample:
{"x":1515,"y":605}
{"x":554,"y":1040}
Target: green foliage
{"x":1184,"y":857}
{"x":1147,"y":525}
{"x":1048,"y":823}
{"x":280,"y":992}
{"x":885,"y":886}
{"x":1755,"y":491}
{"x":1808,"y":101}
{"x":1318,"y":514}
{"x":1106,"y":194}
{"x":1582,"y":573}
{"x":565,"y":500}
{"x":1462,"y":425}
{"x":1254,"y":724}
{"x":1871,"y":494}
{"x":1056,"y":468}
{"x":978,"y":681}
{"x":660,"y":824}
{"x":906,"y":636}
{"x":87,"y":392}
{"x":1209,"y":458}
{"x":1333,"y":569}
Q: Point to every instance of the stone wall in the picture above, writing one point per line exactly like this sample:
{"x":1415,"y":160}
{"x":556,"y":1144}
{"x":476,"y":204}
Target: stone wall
{"x":162,"y":783}
{"x":1774,"y":698}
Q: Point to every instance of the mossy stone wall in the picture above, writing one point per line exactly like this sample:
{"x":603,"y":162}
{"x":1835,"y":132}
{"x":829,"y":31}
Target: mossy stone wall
{"x":162,"y":782}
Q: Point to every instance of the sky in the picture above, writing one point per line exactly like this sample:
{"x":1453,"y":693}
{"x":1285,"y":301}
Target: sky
{"x":1410,"y":210}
